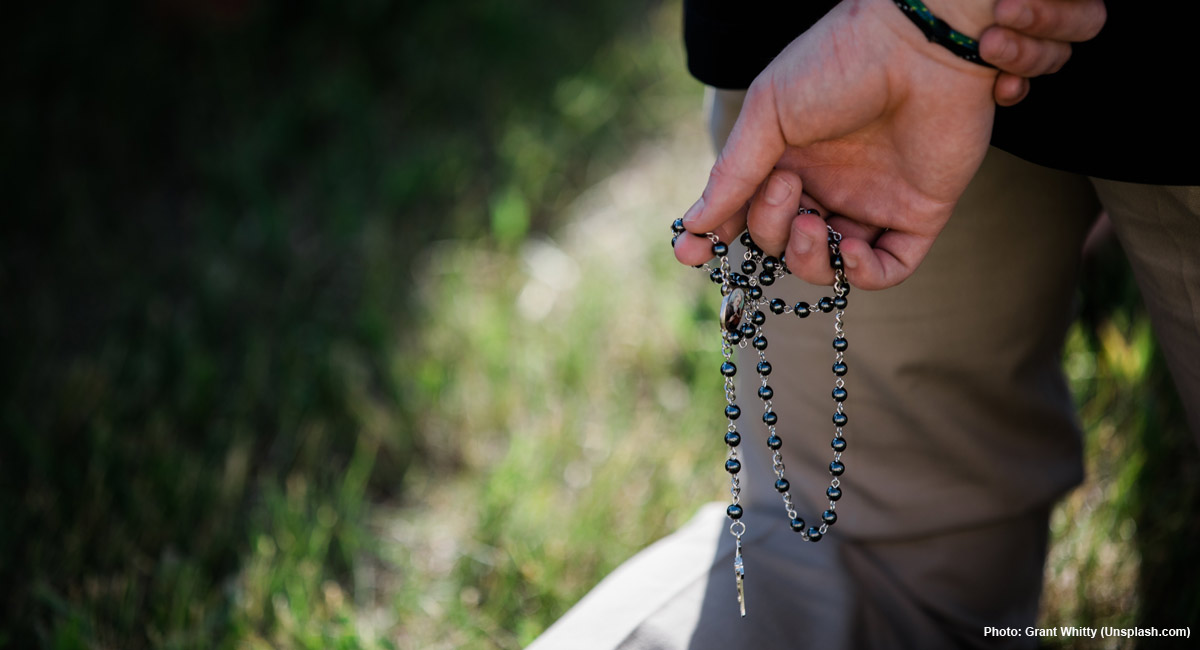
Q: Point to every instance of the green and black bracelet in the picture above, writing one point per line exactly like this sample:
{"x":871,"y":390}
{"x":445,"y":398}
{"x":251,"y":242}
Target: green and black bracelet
{"x":938,"y":31}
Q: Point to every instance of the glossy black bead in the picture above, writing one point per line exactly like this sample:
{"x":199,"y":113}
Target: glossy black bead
{"x":758,"y":318}
{"x":836,"y":468}
{"x":716,"y":276}
{"x":733,"y":337}
{"x":674,"y":238}
{"x":833,"y":493}
{"x":840,"y":302}
{"x":755,"y":251}
{"x":764,"y":368}
{"x":677,"y":226}
{"x":765,"y":392}
{"x":728,"y":369}
{"x":766,"y":278}
{"x":733,"y":438}
{"x":770,"y":263}
{"x":759,"y":342}
{"x":748,"y":267}
{"x":839,"y":369}
{"x":720,"y":250}
{"x":777,"y":306}
{"x":840,"y":344}
{"x":836,"y":261}
{"x":838,"y":444}
{"x":782,"y":485}
{"x":733,"y":466}
{"x":726,"y":289}
{"x":734,"y":511}
{"x":802,"y":309}
{"x":774,"y":442}
{"x":733,"y":412}
{"x":741,"y":281}
{"x":748,"y":330}
{"x":839,"y":394}
{"x":829,"y":517}
{"x":825,"y":304}
{"x":814,"y":534}
{"x":755,"y":292}
{"x":798,"y":524}
{"x":770,"y":418}
{"x":745,"y":239}
{"x":839,"y":419}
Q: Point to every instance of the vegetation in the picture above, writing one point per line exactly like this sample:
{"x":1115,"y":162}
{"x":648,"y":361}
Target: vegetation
{"x":313,"y":337}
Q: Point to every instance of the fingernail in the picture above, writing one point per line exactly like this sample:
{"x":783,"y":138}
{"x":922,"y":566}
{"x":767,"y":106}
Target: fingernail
{"x":778,"y":191}
{"x":801,"y":243}
{"x":1015,"y":15}
{"x":850,"y":262}
{"x":694,"y":212}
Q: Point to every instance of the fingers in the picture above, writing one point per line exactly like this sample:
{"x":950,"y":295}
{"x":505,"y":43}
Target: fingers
{"x":889,"y":262}
{"x":1022,"y":55}
{"x":771,"y":211}
{"x":1071,"y":21}
{"x":750,"y":153}
{"x":693,"y":249}
{"x":808,"y":248}
{"x":1010,"y":89}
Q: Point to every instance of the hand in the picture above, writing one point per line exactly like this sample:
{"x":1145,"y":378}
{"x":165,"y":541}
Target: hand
{"x":1033,"y":37}
{"x":884,"y":128}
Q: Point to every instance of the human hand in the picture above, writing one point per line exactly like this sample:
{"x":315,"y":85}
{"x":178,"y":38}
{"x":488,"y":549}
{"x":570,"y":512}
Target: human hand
{"x":884,"y":127}
{"x":1033,"y":37}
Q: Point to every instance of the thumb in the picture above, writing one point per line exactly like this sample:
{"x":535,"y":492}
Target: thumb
{"x":754,"y":146}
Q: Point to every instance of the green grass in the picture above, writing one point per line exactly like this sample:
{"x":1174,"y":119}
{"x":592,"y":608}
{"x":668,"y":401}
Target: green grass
{"x":314,"y":339}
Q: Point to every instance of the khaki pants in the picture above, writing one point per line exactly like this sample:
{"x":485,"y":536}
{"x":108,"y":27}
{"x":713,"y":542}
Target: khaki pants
{"x":961,"y":436}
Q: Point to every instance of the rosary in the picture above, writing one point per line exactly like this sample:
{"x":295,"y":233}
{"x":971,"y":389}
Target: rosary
{"x":741,"y":320}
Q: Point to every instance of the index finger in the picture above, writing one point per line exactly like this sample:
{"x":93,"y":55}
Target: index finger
{"x":754,"y":146}
{"x":894,"y":257}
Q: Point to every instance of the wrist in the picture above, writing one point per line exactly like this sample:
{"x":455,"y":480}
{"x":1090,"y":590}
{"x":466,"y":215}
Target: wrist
{"x":942,"y":34}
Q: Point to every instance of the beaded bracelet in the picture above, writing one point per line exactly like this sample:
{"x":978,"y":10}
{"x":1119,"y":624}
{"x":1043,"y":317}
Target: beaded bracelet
{"x":938,"y":31}
{"x":742,"y":320}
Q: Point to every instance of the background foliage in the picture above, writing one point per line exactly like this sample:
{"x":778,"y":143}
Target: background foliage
{"x":312,"y":338}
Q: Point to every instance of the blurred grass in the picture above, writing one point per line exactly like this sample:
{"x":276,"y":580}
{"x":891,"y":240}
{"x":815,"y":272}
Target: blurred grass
{"x":310,"y":339}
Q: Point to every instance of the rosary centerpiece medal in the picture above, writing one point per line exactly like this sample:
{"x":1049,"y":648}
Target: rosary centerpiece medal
{"x":743,"y":317}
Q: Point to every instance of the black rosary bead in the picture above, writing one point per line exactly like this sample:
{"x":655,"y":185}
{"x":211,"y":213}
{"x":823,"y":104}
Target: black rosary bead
{"x":733,"y":438}
{"x":774,"y":442}
{"x":765,"y":392}
{"x":673,"y":240}
{"x":840,"y":419}
{"x":829,"y":517}
{"x":840,"y":344}
{"x":839,"y":369}
{"x":825,"y":304}
{"x":733,"y":466}
{"x":833,"y":493}
{"x":745,"y":239}
{"x":837,"y":468}
{"x":766,"y":278}
{"x":769,"y":418}
{"x":677,"y":227}
{"x":720,"y":250}
{"x":802,"y":310}
{"x":838,"y":444}
{"x":814,"y":534}
{"x":748,"y":329}
{"x":716,"y":276}
{"x":748,"y":267}
{"x":728,"y":369}
{"x":797,"y":524}
{"x":840,"y":302}
{"x":759,"y":342}
{"x":734,"y":511}
{"x":764,"y":368}
{"x":758,"y":318}
{"x":755,"y":292}
{"x":782,"y":485}
{"x":733,"y":412}
{"x":836,"y":261}
{"x":726,"y":289}
{"x":777,"y":306}
{"x":741,"y":281}
{"x":840,"y":394}
{"x":770,"y":263}
{"x":733,"y":337}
